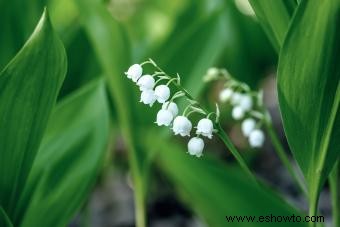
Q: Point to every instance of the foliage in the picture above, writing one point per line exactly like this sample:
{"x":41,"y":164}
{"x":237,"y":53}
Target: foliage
{"x":54,"y":131}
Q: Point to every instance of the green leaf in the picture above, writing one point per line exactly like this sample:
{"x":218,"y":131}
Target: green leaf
{"x":4,"y":219}
{"x":191,"y":51}
{"x":309,"y":89}
{"x":29,"y":85}
{"x":18,"y":19}
{"x":274,"y":16}
{"x":214,"y":190}
{"x":110,"y":44}
{"x":69,"y":160}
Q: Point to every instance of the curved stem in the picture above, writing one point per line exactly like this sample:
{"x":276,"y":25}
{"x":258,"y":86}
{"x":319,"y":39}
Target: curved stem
{"x":283,"y":156}
{"x":224,"y":137}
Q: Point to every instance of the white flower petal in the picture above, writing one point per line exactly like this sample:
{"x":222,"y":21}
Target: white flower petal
{"x":246,"y":102}
{"x":195,"y":146}
{"x":172,"y":107}
{"x":162,"y":93}
{"x":248,"y":125}
{"x":237,"y":113}
{"x":225,"y":94}
{"x":182,"y":126}
{"x":146,"y":82}
{"x":205,"y":127}
{"x":148,"y":97}
{"x":164,"y":117}
{"x":256,"y":138}
{"x":134,"y":72}
{"x":236,"y":98}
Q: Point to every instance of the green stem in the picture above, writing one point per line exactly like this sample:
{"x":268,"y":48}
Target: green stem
{"x":140,"y":208}
{"x":334,"y":181}
{"x":283,"y":156}
{"x":225,"y":138}
{"x":313,"y":204}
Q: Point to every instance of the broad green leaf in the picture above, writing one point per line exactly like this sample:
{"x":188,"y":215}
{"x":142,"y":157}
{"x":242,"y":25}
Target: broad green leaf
{"x":309,"y":89}
{"x":274,"y":16}
{"x":18,"y":19}
{"x":69,"y":159}
{"x":192,"y":48}
{"x":215,"y":191}
{"x":29,"y":85}
{"x":110,"y":44}
{"x":4,"y":219}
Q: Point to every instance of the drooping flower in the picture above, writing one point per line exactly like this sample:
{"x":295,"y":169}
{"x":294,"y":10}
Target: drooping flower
{"x":172,"y":107}
{"x":148,"y":97}
{"x":205,"y":127}
{"x":256,"y":138}
{"x":246,"y":102}
{"x":237,"y":113}
{"x":134,"y":72}
{"x":225,"y":94}
{"x":146,"y":82}
{"x":162,"y":93}
{"x":164,"y":117}
{"x":248,"y":125}
{"x":195,"y":146}
{"x":182,"y":126}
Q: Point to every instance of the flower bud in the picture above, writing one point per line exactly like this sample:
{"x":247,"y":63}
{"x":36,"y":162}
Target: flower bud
{"x":182,"y":126}
{"x":162,"y":93}
{"x":246,"y":102}
{"x":225,"y":94}
{"x":146,"y":82}
{"x":134,"y":72}
{"x":248,"y":125}
{"x":164,"y":117}
{"x":148,"y":97}
{"x":211,"y":74}
{"x":172,"y":107}
{"x":236,"y":98}
{"x":256,"y":138}
{"x":237,"y":113}
{"x":205,"y":127}
{"x":195,"y":146}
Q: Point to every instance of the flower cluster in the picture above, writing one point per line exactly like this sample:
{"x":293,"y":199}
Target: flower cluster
{"x":168,"y":115}
{"x":245,"y":105}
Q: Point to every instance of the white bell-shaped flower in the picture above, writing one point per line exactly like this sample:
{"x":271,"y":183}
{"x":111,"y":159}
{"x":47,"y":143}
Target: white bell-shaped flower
{"x":205,"y":127}
{"x":237,"y":113}
{"x":146,"y":82}
{"x":248,"y":125}
{"x":182,"y":126}
{"x":225,"y":94}
{"x":164,"y":117}
{"x":134,"y":72}
{"x":195,"y":146}
{"x":162,"y":93}
{"x":148,"y":97}
{"x":246,"y":102}
{"x":256,"y":138}
{"x":236,"y":98}
{"x":172,"y":107}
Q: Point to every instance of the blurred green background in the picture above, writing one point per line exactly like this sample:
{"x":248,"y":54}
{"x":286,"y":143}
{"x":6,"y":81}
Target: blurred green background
{"x":102,"y":38}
